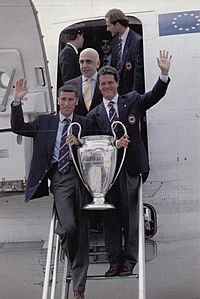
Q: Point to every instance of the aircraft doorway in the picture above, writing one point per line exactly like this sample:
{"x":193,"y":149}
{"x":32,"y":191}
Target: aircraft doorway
{"x":94,"y":33}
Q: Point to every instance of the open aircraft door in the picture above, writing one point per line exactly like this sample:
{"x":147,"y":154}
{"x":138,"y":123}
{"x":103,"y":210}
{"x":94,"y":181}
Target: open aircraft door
{"x":22,"y":54}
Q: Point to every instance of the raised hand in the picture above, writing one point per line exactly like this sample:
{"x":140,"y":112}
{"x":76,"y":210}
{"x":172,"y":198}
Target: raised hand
{"x":164,"y":61}
{"x":21,"y":89}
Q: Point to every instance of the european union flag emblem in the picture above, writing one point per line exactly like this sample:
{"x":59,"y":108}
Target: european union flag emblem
{"x":179,"y":23}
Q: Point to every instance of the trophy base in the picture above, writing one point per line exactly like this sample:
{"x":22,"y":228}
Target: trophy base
{"x":98,"y":204}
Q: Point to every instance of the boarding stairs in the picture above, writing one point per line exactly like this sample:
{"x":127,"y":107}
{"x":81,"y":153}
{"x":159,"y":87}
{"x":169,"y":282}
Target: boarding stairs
{"x":54,"y":252}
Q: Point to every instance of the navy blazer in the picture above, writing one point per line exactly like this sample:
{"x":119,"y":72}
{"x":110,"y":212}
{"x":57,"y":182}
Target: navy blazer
{"x":130,"y":107}
{"x":132,"y":67}
{"x":68,"y":64}
{"x":43,"y":130}
{"x":96,"y":100}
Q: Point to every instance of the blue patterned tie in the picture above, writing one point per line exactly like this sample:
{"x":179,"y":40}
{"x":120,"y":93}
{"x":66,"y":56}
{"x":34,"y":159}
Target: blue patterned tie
{"x":112,"y":112}
{"x":63,"y":161}
{"x":119,"y":53}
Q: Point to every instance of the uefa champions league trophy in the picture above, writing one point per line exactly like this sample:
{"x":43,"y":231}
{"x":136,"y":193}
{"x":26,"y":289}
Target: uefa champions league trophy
{"x":97,"y":159}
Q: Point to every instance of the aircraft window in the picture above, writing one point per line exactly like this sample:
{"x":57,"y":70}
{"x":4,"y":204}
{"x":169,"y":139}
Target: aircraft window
{"x":4,"y":79}
{"x":150,"y":221}
{"x":19,"y":139}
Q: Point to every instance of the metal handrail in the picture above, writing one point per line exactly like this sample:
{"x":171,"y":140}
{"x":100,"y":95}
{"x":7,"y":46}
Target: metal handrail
{"x":65,"y":288}
{"x":141,"y":246}
{"x":55,"y":269}
{"x":49,"y":255}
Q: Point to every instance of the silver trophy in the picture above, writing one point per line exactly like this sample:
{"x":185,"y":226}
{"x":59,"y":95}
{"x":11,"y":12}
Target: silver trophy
{"x":97,"y":159}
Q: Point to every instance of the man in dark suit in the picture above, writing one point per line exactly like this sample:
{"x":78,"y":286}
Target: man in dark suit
{"x":68,"y":57}
{"x":123,"y":194}
{"x":51,"y":160}
{"x":127,"y":52}
{"x":89,"y":63}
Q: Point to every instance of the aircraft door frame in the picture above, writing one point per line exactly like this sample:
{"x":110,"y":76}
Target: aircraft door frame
{"x":22,"y":54}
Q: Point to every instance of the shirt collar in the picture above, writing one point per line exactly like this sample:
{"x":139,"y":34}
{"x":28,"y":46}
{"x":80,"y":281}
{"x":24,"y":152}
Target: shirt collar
{"x":115,"y":100}
{"x":124,"y":35}
{"x":75,"y":49}
{"x":62,"y":117}
{"x":94,"y":77}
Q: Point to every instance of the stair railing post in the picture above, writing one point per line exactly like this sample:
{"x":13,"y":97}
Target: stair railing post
{"x":49,"y":255}
{"x":55,"y":269}
{"x":141,"y":246}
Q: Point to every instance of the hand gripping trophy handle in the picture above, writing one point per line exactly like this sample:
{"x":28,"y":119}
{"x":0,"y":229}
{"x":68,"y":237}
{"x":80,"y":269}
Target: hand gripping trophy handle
{"x":113,"y":126}
{"x":69,"y":130}
{"x":97,"y":159}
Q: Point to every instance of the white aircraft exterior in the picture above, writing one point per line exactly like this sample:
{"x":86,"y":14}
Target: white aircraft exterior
{"x":172,"y":187}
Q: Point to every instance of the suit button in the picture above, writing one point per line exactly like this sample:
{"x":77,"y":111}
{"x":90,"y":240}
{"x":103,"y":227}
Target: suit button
{"x":39,"y":181}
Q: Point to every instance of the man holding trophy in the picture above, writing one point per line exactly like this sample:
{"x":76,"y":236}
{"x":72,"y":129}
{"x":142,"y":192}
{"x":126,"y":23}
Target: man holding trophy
{"x":51,"y":160}
{"x":123,"y":194}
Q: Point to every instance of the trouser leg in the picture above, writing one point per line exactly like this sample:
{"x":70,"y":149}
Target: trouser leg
{"x":113,"y":235}
{"x":63,"y":189}
{"x":130,"y":216}
{"x":112,"y":226}
{"x":81,"y":260}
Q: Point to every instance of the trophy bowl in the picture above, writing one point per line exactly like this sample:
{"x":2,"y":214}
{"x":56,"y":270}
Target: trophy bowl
{"x":97,"y":160}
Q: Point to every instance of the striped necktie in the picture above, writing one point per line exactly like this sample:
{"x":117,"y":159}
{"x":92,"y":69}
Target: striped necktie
{"x":63,"y":160}
{"x":112,"y":112}
{"x":119,"y":54}
{"x":88,"y":94}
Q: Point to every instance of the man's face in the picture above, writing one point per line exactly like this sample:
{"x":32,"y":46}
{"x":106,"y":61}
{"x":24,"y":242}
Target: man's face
{"x":108,"y":86}
{"x":106,"y":46}
{"x":81,"y":40}
{"x":67,"y":102}
{"x":113,"y":29}
{"x":88,"y":64}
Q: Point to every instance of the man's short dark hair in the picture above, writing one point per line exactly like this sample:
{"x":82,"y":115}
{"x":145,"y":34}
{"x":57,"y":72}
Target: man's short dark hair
{"x":71,"y":32}
{"x":116,"y":15}
{"x":68,"y":88}
{"x":108,"y":70}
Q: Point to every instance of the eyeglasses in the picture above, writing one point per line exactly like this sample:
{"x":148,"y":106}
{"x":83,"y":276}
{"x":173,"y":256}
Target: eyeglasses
{"x":105,"y":43}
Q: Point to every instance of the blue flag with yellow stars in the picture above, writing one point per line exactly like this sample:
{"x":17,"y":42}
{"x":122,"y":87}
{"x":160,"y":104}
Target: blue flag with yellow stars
{"x":179,"y":23}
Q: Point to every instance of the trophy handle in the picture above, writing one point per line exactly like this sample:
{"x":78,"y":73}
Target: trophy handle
{"x":69,"y":130}
{"x":113,"y":126}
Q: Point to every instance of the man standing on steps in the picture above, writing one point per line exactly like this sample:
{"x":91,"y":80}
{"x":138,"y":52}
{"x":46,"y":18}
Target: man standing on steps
{"x":123,"y":194}
{"x":127,"y":52}
{"x":86,"y":84}
{"x":51,"y":160}
{"x":68,"y":57}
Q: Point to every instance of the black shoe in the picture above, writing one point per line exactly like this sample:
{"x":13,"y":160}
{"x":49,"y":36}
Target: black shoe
{"x":127,"y":269}
{"x":114,"y":270}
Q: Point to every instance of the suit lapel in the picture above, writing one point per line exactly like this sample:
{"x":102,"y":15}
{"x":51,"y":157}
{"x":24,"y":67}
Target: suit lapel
{"x":102,"y":119}
{"x":96,"y":99}
{"x":126,"y":48}
{"x":51,"y":136}
{"x":122,"y":109}
{"x":79,"y":88}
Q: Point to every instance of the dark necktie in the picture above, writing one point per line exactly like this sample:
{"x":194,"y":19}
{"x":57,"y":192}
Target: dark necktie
{"x":105,"y":60}
{"x":119,"y":53}
{"x":112,"y":112}
{"x":63,"y":161}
